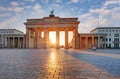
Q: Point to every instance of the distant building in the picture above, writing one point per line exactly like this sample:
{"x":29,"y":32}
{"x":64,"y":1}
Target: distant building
{"x":11,"y":38}
{"x":112,"y":35}
{"x":88,"y":40}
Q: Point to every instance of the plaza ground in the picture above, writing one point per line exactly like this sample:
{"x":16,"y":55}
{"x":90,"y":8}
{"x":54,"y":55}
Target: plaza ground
{"x":59,"y":64}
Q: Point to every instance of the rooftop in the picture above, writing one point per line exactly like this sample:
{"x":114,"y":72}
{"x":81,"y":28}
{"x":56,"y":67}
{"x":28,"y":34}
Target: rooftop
{"x":105,"y":28}
{"x":11,"y":29}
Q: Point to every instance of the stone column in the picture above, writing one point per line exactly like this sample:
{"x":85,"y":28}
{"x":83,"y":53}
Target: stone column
{"x":76,"y":38}
{"x":13,"y":42}
{"x":18,"y":42}
{"x":57,"y":38}
{"x":40,"y":39}
{"x":101,"y":39}
{"x":98,"y":42}
{"x":80,"y":42}
{"x":36,"y":38}
{"x":45,"y":38}
{"x":8,"y":42}
{"x":86,"y":42}
{"x":31,"y":38}
{"x":105,"y":42}
{"x":27,"y":38}
{"x":66,"y":38}
{"x":23,"y":43}
{"x":5,"y":42}
{"x":92,"y":41}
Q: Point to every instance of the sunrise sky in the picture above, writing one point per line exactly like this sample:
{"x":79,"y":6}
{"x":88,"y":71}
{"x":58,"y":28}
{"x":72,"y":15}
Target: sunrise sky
{"x":13,"y":13}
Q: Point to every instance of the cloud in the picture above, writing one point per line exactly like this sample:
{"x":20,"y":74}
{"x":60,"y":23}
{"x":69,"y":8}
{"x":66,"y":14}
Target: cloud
{"x":12,"y":9}
{"x":109,"y":2}
{"x":8,"y":22}
{"x":4,"y":15}
{"x":85,"y":16}
{"x":58,"y":1}
{"x":74,"y":1}
{"x":29,"y":0}
{"x":101,"y":11}
{"x":108,"y":17}
{"x":2,"y":8}
{"x":28,"y":6}
{"x":97,"y":10}
{"x":15,"y":9}
{"x":18,"y":9}
{"x":73,"y":8}
{"x":56,"y":5}
{"x":37,"y":8}
{"x":45,"y":1}
{"x":13,"y":22}
{"x":87,"y":22}
{"x":14,"y":3}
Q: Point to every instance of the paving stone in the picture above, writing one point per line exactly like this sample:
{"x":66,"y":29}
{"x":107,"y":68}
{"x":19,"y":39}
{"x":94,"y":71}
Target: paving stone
{"x":46,"y":64}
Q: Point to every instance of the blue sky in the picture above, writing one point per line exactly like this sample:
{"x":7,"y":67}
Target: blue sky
{"x":13,"y":13}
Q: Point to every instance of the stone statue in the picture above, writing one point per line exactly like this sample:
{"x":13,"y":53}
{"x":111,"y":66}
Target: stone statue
{"x":52,"y":12}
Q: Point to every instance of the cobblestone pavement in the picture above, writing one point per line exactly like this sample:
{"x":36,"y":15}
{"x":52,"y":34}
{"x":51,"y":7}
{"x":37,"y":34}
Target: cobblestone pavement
{"x":108,"y":62}
{"x":46,"y":64}
{"x":110,"y":51}
{"x":107,"y":53}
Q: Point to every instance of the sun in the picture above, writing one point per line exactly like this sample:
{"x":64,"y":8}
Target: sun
{"x":52,"y":37}
{"x":53,"y":41}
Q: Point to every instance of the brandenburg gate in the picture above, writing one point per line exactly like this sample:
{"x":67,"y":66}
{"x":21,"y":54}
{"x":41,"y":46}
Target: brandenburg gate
{"x":35,"y":27}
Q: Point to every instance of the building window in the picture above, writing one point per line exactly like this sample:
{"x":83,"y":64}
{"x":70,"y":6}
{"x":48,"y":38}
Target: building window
{"x":109,"y":39}
{"x":113,"y":30}
{"x":109,"y":34}
{"x":106,"y":34}
{"x":106,"y":30}
{"x":116,"y":35}
{"x":109,"y":45}
{"x":106,"y":45}
{"x":99,"y":30}
{"x":116,"y":30}
{"x":103,"y":39}
{"x":12,"y":32}
{"x":116,"y":45}
{"x":106,"y":39}
{"x":109,"y":30}
{"x":116,"y":40}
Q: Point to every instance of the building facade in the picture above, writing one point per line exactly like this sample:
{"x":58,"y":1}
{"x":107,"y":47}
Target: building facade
{"x":112,"y":35}
{"x":12,"y":38}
